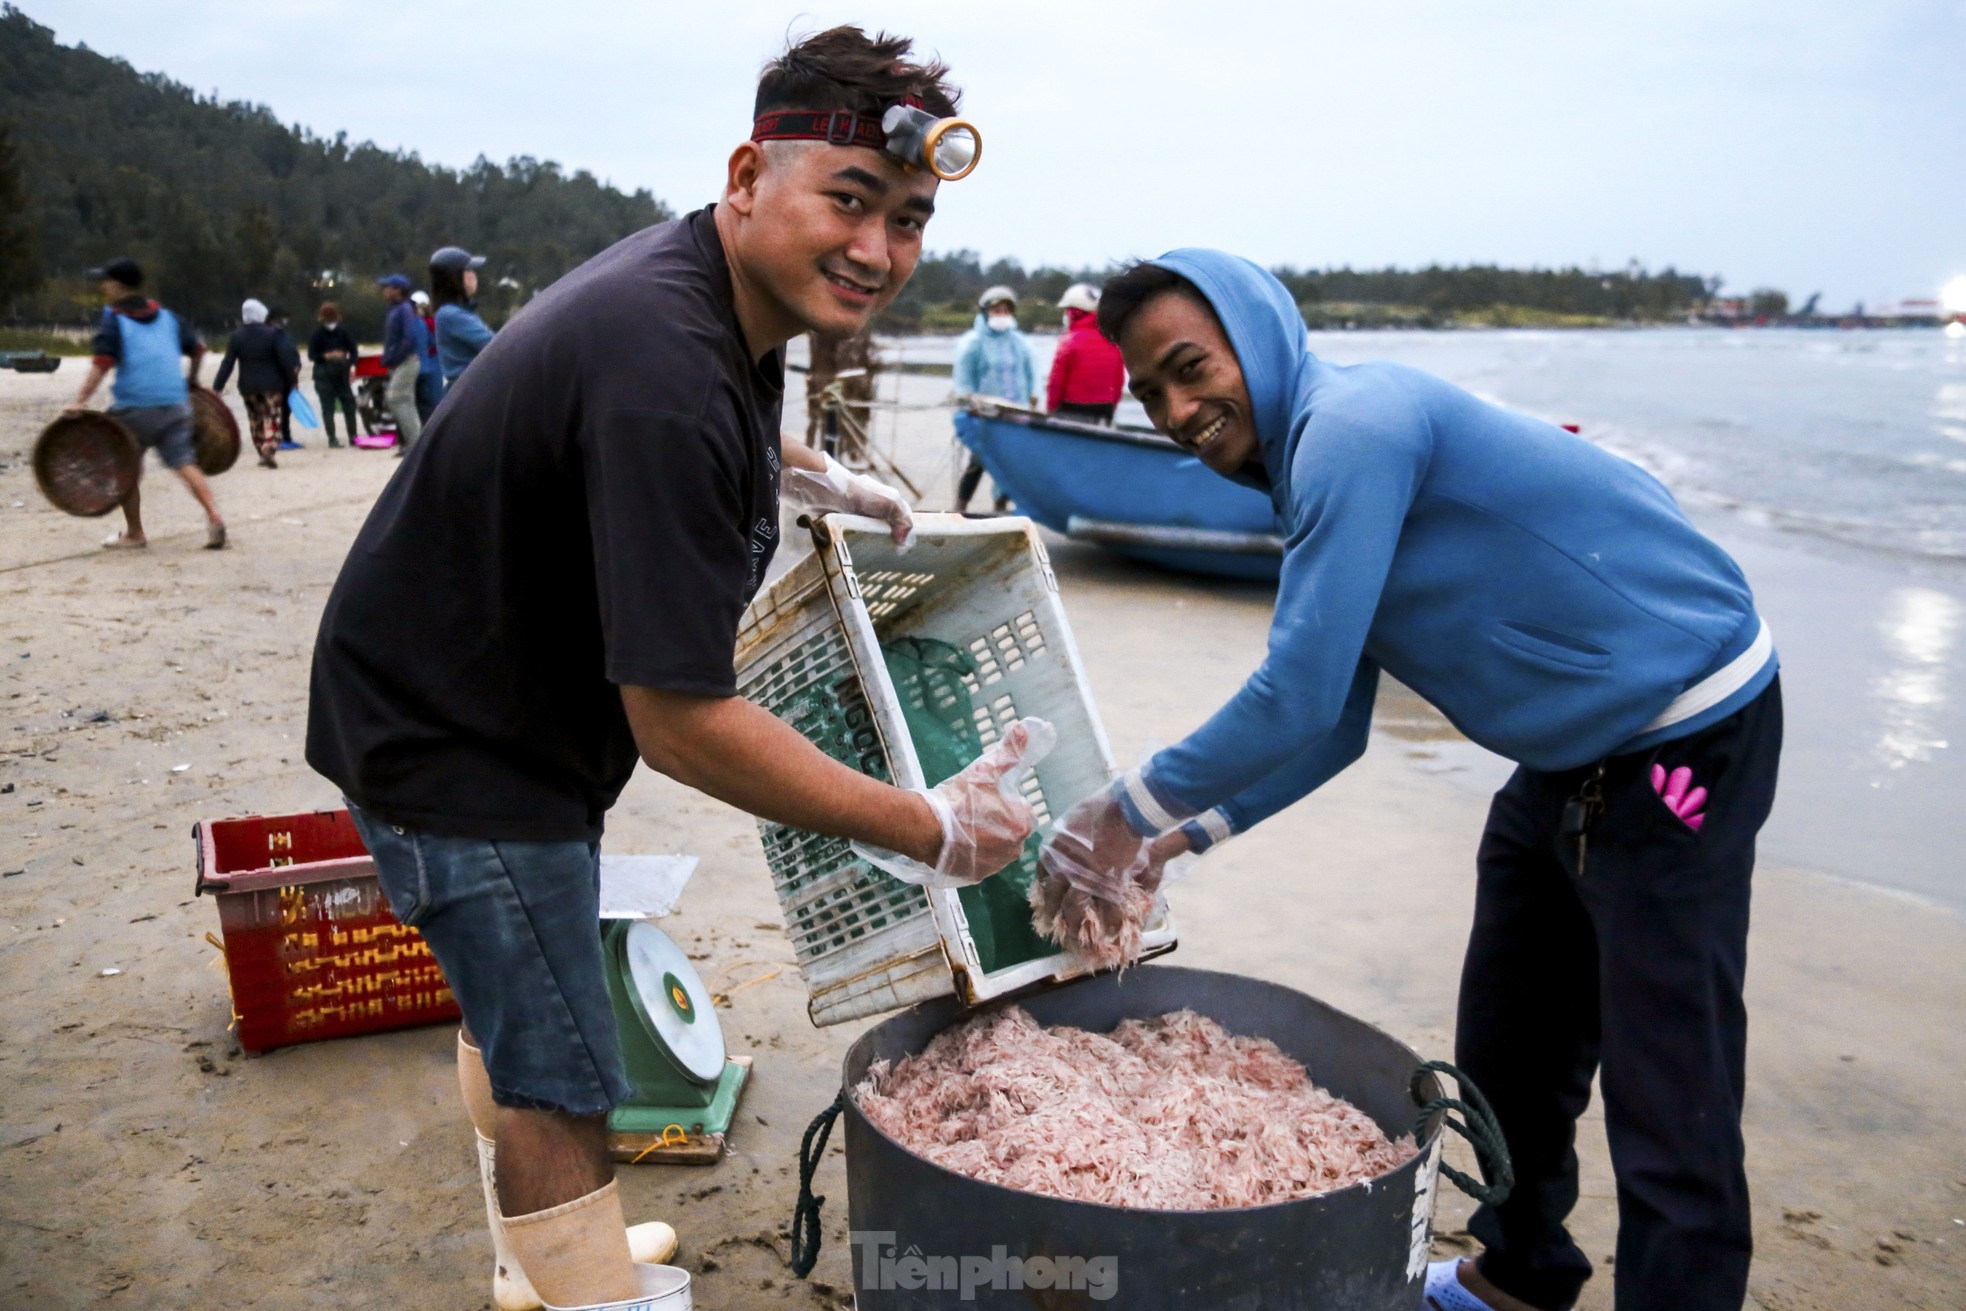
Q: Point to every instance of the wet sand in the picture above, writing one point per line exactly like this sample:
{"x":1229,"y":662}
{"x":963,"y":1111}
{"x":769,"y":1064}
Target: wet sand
{"x":145,"y":1163}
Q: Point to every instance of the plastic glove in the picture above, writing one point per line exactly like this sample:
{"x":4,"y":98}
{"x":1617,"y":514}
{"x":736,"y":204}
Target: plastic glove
{"x":1097,"y":880}
{"x":1681,"y":798}
{"x":839,"y":488}
{"x":985,"y":819}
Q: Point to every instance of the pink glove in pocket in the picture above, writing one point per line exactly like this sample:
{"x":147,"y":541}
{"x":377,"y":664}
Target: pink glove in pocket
{"x":1681,"y":797}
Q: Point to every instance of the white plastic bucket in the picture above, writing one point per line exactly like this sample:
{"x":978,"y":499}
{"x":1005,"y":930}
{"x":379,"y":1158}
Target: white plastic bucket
{"x":664,"y":1288}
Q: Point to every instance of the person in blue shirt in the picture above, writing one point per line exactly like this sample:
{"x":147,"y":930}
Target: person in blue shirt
{"x":429,"y":376}
{"x":1554,"y":602}
{"x":993,"y":360}
{"x":142,"y":342}
{"x":405,"y":341}
{"x":461,"y":334}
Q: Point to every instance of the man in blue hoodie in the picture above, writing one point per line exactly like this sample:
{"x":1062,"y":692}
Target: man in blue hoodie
{"x":1554,"y":602}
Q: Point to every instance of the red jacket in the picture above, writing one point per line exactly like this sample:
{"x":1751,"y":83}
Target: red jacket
{"x":1087,"y":369}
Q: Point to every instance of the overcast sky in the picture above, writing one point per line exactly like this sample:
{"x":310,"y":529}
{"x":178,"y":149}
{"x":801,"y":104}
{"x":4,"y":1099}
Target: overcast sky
{"x":1805,"y":144}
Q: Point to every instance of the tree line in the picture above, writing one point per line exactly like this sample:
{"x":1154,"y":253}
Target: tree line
{"x":1445,"y":295}
{"x":219,"y":200}
{"x":942,"y":295}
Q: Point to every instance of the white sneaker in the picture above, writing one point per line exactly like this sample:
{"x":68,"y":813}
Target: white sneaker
{"x":1444,"y":1289}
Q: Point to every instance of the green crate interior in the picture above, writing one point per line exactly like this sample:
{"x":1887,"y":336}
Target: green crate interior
{"x":830,"y":897}
{"x":954,"y":685}
{"x":962,"y":672}
{"x":937,"y":682}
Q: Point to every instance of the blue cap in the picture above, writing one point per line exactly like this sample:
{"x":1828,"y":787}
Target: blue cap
{"x":398,"y":281}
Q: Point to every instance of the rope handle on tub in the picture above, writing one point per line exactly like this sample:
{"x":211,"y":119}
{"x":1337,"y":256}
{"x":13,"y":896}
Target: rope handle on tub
{"x":1477,"y":1124}
{"x":806,"y":1236}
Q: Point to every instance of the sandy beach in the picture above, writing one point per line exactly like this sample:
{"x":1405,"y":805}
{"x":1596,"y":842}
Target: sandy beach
{"x":144,"y":1162}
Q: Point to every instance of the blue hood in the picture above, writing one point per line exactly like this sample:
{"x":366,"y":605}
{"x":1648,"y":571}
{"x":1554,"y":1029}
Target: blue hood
{"x":1550,"y":598}
{"x":1267,"y":331}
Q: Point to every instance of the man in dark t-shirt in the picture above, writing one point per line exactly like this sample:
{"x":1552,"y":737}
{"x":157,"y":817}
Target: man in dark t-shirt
{"x":550,"y":589}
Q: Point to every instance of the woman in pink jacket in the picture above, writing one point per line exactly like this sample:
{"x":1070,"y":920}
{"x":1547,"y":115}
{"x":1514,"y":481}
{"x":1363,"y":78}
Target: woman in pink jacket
{"x":1087,"y":375}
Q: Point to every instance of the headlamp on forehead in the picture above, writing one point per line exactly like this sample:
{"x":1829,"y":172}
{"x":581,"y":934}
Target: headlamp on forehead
{"x":906,"y":133}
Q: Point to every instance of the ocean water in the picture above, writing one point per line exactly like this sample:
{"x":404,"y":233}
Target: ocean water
{"x":1858,"y":437}
{"x":1832,"y":465}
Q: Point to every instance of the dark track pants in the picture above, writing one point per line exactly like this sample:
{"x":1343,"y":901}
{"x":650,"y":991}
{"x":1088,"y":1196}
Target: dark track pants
{"x":1632,"y":969}
{"x":971,"y":479}
{"x":333,"y":392}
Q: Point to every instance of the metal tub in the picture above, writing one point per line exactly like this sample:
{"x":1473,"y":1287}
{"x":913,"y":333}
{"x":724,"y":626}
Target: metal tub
{"x":924,"y":1236}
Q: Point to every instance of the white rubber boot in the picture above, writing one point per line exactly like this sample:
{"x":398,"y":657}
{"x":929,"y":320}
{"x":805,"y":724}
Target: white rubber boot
{"x":474,"y":1086}
{"x":651,"y":1243}
{"x":511,"y":1290}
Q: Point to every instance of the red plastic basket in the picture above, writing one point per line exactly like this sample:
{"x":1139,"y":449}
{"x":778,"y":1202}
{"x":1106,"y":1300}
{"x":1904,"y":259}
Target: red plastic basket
{"x":312,"y":949}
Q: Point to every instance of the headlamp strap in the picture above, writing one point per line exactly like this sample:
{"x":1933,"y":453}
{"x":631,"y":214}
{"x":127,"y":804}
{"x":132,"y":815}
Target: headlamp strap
{"x":838,"y":127}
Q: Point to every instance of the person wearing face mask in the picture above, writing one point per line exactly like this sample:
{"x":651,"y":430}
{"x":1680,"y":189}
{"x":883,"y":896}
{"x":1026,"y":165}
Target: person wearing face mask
{"x":1087,"y":373}
{"x":333,"y":350}
{"x":993,"y":361}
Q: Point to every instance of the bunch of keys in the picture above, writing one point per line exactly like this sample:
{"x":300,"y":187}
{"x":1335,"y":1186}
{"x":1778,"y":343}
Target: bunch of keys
{"x":1581,"y":811}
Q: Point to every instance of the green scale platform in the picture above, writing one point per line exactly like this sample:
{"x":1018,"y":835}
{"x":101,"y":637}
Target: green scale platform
{"x":684,"y":1084}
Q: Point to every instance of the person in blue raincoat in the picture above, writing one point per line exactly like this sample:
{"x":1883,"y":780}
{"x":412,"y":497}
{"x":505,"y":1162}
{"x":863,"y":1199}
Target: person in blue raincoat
{"x":993,"y":360}
{"x":1554,"y":602}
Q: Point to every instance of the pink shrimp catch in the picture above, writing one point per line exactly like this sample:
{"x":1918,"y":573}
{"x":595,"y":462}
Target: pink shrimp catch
{"x":1169,"y":1113}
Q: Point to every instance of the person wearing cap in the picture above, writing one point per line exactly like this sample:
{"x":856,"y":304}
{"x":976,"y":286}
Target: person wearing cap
{"x":993,"y":361}
{"x":269,"y":367}
{"x":332,"y":348}
{"x":405,"y":341}
{"x":549,"y":592}
{"x":141,"y":342}
{"x":461,"y":334}
{"x":1087,"y":373}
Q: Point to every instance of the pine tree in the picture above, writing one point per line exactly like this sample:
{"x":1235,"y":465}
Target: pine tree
{"x":20,"y":268}
{"x":220,"y":200}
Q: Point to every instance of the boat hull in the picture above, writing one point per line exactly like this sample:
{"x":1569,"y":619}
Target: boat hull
{"x":1137,"y":495}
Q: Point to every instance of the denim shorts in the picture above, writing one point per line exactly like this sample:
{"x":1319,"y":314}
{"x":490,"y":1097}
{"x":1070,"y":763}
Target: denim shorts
{"x":168,"y":428}
{"x":516,"y":927}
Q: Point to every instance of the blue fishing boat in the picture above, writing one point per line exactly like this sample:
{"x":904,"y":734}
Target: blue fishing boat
{"x":1129,"y":490}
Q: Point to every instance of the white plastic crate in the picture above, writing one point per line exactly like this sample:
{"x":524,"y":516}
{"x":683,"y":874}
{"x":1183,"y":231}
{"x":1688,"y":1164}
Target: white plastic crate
{"x":810,"y":651}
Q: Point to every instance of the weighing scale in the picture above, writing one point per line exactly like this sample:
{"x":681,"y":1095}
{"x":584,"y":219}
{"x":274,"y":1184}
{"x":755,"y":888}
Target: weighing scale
{"x":684,"y":1085}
